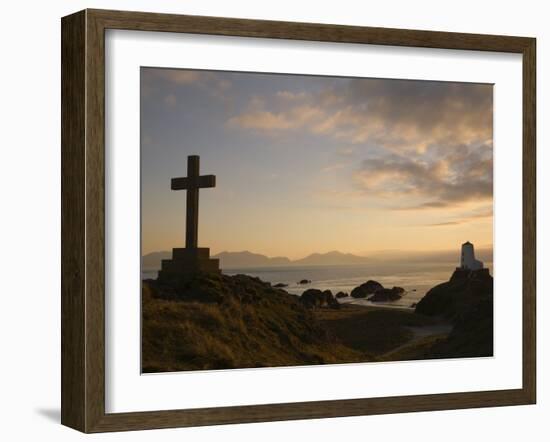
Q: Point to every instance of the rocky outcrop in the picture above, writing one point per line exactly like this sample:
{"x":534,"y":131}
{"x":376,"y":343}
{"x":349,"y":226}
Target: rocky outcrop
{"x":280,"y":285}
{"x":341,"y":295}
{"x":467,"y":301}
{"x":304,"y":281}
{"x":387,"y":295}
{"x":465,"y":289}
{"x":472,"y":334}
{"x":368,"y":288}
{"x":315,"y":298}
{"x":464,"y":274}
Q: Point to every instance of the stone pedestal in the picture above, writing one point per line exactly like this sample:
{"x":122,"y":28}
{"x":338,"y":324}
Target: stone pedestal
{"x":186,"y":262}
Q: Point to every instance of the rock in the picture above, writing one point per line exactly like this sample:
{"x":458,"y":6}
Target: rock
{"x":414,"y":290}
{"x":387,"y":295}
{"x":464,"y":274}
{"x":341,"y":295}
{"x":467,"y":301}
{"x":472,"y":334}
{"x":368,"y":288}
{"x":463,"y":291}
{"x":280,"y":285}
{"x":413,"y":305}
{"x":315,"y":298}
{"x":304,"y":281}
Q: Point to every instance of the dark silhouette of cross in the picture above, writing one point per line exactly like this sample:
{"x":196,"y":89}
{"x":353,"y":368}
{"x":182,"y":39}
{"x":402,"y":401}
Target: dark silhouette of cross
{"x":192,"y":183}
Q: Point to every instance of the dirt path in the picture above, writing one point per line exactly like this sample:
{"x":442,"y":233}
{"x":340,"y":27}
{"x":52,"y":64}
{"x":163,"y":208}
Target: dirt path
{"x":430,"y":330}
{"x":423,"y":336}
{"x":377,"y":331}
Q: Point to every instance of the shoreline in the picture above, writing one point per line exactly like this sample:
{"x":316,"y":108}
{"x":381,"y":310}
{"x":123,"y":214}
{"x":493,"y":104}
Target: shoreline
{"x":345,"y":278}
{"x":243,"y":322}
{"x":362,"y":303}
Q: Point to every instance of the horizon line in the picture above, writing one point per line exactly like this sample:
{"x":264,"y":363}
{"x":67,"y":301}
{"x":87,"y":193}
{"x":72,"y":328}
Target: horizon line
{"x":375,"y":252}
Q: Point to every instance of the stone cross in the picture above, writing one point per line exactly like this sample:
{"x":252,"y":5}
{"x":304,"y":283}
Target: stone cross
{"x":192,"y":183}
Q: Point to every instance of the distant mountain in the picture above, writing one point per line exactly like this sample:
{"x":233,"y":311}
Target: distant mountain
{"x":331,"y":258}
{"x":248,"y":259}
{"x":235,"y":260}
{"x":244,"y":259}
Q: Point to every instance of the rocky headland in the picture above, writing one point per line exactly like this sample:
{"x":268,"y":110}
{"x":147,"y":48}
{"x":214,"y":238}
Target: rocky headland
{"x":466,"y":300}
{"x":218,"y":321}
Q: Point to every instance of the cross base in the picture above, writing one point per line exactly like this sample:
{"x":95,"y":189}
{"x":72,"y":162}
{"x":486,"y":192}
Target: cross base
{"x":187,"y":262}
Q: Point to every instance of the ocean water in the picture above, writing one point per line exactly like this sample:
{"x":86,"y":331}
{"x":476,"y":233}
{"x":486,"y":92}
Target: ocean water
{"x":416,"y":278}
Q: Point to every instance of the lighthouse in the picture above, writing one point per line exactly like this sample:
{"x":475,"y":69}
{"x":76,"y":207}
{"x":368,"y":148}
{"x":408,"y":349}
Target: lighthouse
{"x":468,"y":259}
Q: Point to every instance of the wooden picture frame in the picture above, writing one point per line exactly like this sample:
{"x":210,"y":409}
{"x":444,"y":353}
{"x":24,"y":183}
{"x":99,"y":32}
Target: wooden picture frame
{"x":83,"y":217}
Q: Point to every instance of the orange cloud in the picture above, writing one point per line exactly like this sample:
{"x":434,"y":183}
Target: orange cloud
{"x":262,"y":120}
{"x":396,"y":114}
{"x":180,"y":76}
{"x":438,"y":178}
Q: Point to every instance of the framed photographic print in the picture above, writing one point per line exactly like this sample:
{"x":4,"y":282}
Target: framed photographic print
{"x":269,"y":220}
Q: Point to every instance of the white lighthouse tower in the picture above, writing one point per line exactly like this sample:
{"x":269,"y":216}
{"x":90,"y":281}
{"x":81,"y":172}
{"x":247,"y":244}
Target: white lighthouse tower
{"x":468,"y":259}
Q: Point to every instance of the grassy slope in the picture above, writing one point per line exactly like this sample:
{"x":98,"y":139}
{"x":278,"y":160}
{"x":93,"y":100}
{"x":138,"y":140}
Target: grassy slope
{"x":218,"y":322}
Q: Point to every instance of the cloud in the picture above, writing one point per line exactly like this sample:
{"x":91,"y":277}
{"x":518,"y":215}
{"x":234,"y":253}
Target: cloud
{"x":486,"y":213}
{"x":444,"y":224}
{"x":258,"y":118}
{"x":291,"y":96}
{"x":261,"y":120}
{"x":180,"y":76}
{"x":437,"y":178}
{"x":214,"y":83}
{"x":396,"y":114}
{"x":420,"y":144}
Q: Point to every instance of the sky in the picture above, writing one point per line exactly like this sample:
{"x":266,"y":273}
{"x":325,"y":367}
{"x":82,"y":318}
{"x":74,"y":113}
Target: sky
{"x":310,"y":164}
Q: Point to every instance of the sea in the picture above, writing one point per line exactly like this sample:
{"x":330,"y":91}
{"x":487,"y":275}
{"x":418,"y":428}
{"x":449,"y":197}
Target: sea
{"x":416,"y":278}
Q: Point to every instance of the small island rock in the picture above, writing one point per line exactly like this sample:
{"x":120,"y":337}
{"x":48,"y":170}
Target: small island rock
{"x":341,"y":295}
{"x":315,"y":298}
{"x":387,"y":295}
{"x":304,"y":281}
{"x":368,"y":288}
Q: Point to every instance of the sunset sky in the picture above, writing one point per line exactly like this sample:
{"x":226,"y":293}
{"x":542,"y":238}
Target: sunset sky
{"x":311,"y":164}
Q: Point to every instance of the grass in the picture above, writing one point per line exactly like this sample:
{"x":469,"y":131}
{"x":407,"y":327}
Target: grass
{"x":232,"y":322}
{"x":221,"y":322}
